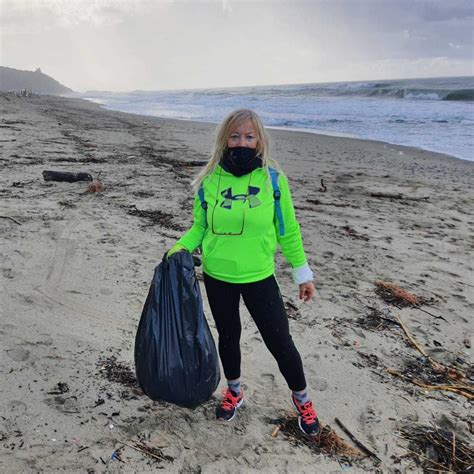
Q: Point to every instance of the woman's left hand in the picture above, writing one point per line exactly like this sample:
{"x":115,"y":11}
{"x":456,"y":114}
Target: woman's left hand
{"x":307,"y":291}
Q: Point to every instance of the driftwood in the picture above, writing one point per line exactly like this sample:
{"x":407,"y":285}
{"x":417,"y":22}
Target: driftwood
{"x":463,"y":390}
{"x":451,"y":373}
{"x":11,"y":218}
{"x":356,"y":441}
{"x":66,"y":176}
{"x":152,"y":452}
{"x":399,"y":196}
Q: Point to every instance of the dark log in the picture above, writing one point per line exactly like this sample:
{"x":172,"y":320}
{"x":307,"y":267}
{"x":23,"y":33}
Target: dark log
{"x":66,"y":176}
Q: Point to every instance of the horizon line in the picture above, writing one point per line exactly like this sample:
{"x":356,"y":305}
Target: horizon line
{"x":271,"y":85}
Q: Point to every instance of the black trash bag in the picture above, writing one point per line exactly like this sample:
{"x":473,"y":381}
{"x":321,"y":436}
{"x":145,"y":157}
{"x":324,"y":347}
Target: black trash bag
{"x":175,"y":355}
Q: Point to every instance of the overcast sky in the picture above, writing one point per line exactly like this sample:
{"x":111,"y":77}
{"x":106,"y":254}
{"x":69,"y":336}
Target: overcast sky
{"x":152,"y":44}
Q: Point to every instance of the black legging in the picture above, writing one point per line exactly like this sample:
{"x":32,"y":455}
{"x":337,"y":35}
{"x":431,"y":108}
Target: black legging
{"x":264,"y":302}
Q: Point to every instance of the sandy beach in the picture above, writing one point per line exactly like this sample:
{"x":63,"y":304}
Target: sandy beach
{"x":76,"y":267}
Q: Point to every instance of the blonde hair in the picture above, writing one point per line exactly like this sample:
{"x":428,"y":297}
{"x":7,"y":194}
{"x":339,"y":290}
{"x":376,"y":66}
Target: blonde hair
{"x":223,"y":131}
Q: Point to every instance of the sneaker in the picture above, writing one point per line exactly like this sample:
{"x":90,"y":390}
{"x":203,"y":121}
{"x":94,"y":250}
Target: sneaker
{"x":308,"y":419}
{"x":227,"y":409}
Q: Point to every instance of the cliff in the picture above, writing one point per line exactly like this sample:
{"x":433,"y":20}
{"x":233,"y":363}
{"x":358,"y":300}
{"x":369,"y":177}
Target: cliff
{"x":39,"y":83}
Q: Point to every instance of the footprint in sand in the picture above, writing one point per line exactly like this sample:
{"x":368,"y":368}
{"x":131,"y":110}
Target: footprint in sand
{"x":18,"y":354}
{"x":268,"y":379}
{"x":17,"y":406}
{"x":6,"y":328}
{"x":8,"y":273}
{"x":319,"y":384}
{"x":246,"y":349}
{"x":63,"y":404}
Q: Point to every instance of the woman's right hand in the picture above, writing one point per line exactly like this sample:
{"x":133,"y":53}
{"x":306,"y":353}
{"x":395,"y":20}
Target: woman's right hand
{"x":174,"y":249}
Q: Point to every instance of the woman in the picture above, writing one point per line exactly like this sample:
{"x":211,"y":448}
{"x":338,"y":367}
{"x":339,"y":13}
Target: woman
{"x":238,"y":221}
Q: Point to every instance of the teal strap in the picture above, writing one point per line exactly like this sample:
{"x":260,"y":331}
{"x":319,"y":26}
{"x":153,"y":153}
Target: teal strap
{"x":203,"y":202}
{"x":276,"y":197}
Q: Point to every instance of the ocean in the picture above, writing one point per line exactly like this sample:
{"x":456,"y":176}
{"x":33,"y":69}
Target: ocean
{"x":434,"y":114}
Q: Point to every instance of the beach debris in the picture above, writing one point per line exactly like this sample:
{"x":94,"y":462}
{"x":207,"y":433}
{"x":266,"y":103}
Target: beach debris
{"x":82,"y":448}
{"x":394,"y":294}
{"x":158,"y":158}
{"x":150,"y":451}
{"x":327,"y":442}
{"x":371,"y":360}
{"x":117,"y":455}
{"x":99,"y":402}
{"x":66,"y":176}
{"x":354,"y":234}
{"x":275,"y":431}
{"x":116,"y":371}
{"x":14,"y":122}
{"x":375,"y":320}
{"x":156,"y":217}
{"x":317,"y":202}
{"x":195,"y":163}
{"x":323,"y":187}
{"x":11,"y":218}
{"x":59,"y":389}
{"x":451,"y":372}
{"x":432,"y":375}
{"x":22,"y":184}
{"x":399,"y":196}
{"x":95,"y":187}
{"x":436,"y":449}
{"x":358,"y":443}
{"x":464,"y":390}
{"x":67,"y":204}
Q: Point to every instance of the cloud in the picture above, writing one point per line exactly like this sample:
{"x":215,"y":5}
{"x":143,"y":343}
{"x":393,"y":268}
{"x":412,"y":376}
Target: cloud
{"x":153,"y":44}
{"x":44,"y":15}
{"x":226,"y":6}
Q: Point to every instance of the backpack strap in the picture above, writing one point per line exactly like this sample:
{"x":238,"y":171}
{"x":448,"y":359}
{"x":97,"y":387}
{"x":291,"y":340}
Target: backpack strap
{"x":276,"y":196}
{"x":203,"y":201}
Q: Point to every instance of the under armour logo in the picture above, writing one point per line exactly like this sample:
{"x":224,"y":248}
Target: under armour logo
{"x":251,"y":197}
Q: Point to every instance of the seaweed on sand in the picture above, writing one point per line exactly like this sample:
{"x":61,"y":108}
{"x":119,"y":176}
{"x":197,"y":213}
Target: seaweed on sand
{"x":396,"y":295}
{"x":156,"y":217}
{"x":436,"y":449}
{"x":116,"y":371}
{"x":327,"y":442}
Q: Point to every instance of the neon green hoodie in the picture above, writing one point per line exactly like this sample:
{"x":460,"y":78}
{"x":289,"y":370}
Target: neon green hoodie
{"x":240,"y":238}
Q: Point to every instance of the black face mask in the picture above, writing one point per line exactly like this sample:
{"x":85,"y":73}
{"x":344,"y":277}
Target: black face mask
{"x":240,"y":160}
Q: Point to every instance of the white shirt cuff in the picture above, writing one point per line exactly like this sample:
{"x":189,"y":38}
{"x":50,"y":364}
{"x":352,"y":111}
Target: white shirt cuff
{"x":302,"y":274}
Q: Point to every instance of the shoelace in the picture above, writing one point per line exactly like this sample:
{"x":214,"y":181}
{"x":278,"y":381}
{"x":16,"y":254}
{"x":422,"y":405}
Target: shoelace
{"x":229,"y":401}
{"x":308,"y":413}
